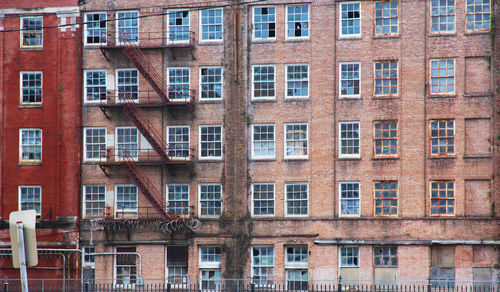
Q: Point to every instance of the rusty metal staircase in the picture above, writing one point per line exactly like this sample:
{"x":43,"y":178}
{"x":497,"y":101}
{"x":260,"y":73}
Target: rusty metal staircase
{"x":134,"y":53}
{"x":144,"y":125}
{"x":146,"y":187}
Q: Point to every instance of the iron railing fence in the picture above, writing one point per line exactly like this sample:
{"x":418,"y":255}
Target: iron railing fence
{"x":246,"y":285}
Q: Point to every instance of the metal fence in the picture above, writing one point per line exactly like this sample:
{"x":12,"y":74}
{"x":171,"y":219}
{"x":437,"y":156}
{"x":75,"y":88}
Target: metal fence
{"x":244,"y":285}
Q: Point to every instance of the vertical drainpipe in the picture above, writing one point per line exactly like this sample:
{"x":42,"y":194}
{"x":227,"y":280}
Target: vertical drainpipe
{"x":235,"y":166}
{"x":426,"y":209}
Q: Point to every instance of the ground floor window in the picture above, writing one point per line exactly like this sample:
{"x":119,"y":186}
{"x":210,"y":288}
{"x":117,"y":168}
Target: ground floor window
{"x":125,"y":266}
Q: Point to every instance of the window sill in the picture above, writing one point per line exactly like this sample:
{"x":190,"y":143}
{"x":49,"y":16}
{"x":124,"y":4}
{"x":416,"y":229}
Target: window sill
{"x":29,"y":163}
{"x":27,"y":105}
{"x":211,"y":43}
{"x":479,"y":94}
{"x":386,"y":158}
{"x":213,"y":101}
{"x":386,"y":36}
{"x":349,"y":37}
{"x":443,"y":157}
{"x":210,"y":160}
{"x":262,"y":159}
{"x":296,"y":98}
{"x":31,"y":49}
{"x":295,"y":159}
{"x":297,"y":40}
{"x":263,"y":100}
{"x":349,"y":216}
{"x":387,"y":97}
{"x":349,"y":97}
{"x":264,"y":41}
{"x":479,"y":32}
{"x":349,"y":158}
{"x":444,"y":34}
{"x":442,"y":95}
{"x":479,"y":156}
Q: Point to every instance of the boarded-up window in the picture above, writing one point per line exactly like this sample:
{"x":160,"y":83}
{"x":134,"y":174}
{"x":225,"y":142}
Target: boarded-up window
{"x":477,"y":136}
{"x":477,"y":75}
{"x":482,"y":278}
{"x":477,"y":194}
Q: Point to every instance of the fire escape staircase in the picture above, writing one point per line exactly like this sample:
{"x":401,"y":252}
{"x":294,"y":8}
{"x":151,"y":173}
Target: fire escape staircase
{"x":144,"y":125}
{"x":146,"y":187}
{"x":142,"y":63}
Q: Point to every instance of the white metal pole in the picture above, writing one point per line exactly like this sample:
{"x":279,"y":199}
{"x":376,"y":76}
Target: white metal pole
{"x":22,"y":256}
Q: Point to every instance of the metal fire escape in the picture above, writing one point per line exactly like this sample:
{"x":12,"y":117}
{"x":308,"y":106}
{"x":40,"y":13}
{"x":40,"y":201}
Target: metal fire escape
{"x":132,"y":108}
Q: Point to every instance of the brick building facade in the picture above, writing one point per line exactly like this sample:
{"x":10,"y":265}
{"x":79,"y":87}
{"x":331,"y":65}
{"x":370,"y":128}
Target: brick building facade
{"x":40,"y":134}
{"x":310,"y":140}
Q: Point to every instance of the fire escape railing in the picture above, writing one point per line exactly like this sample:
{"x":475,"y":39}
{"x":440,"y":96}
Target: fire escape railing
{"x":144,"y":125}
{"x":146,"y":187}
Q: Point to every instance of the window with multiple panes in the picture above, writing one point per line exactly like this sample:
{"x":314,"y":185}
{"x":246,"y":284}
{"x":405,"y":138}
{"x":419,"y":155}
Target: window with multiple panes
{"x":210,"y":83}
{"x":88,"y":258}
{"x":297,"y":21}
{"x":211,"y":24}
{"x":263,"y":141}
{"x":178,"y":141}
{"x":442,"y":198}
{"x":31,"y":87}
{"x":94,"y":147}
{"x":442,"y":76}
{"x":443,"y":267}
{"x":95,"y":85}
{"x":178,"y":83}
{"x":350,"y":79}
{"x":478,"y":15}
{"x":95,"y":28}
{"x":350,"y":19}
{"x":30,"y":141}
{"x":263,"y":199}
{"x":297,"y":80}
{"x":349,"y":198}
{"x":296,"y":141}
{"x":263,"y":265}
{"x":386,"y":17}
{"x":127,"y":83}
{"x":385,"y":138}
{"x":178,"y":26}
{"x":94,"y":200}
{"x":178,"y":199}
{"x":127,"y":26}
{"x":125,"y":266}
{"x":296,"y":199}
{"x":349,"y":256}
{"x":385,"y":256}
{"x":263,"y":81}
{"x":210,"y":142}
{"x":386,"y":198}
{"x":296,"y":268}
{"x":264,"y":22}
{"x":442,"y":16}
{"x":210,"y":259}
{"x":127,"y":142}
{"x":126,"y":200}
{"x":386,"y":78}
{"x":442,"y":137}
{"x":30,"y":198}
{"x":210,"y":200}
{"x":177,"y":265}
{"x":32,"y":31}
{"x":349,"y":142}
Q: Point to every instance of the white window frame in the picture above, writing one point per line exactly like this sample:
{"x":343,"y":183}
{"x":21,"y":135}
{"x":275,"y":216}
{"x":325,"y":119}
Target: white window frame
{"x":255,"y":157}
{"x":85,"y":91}
{"x":454,"y":77}
{"x":253,"y":82}
{"x":287,"y":80}
{"x":167,"y":193}
{"x":286,"y":199}
{"x":221,"y":24}
{"x":21,"y":160}
{"x":342,"y":155}
{"x":19,"y":200}
{"x":254,"y":38}
{"x":221,"y":200}
{"x":253,"y":200}
{"x":349,"y":36}
{"x":85,"y":35}
{"x":356,"y":96}
{"x":171,"y":12}
{"x":296,"y":265}
{"x":85,"y":143}
{"x":200,"y":143}
{"x":358,"y":256}
{"x":84,"y":254}
{"x":117,"y":86}
{"x":188,"y":142}
{"x":117,"y":20}
{"x":22,"y":32}
{"x":115,"y":276}
{"x":184,"y":284}
{"x":439,"y":31}
{"x":133,"y":212}
{"x":84,"y":193}
{"x":340,"y":199}
{"x":172,"y":91}
{"x":21,"y":87}
{"x":221,"y":82}
{"x":270,"y":279}
{"x":118,"y":156}
{"x":208,"y":264}
{"x":287,"y":37}
{"x":286,"y":156}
